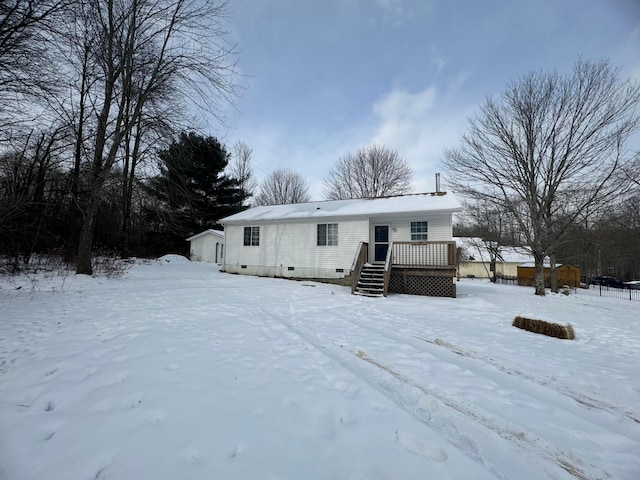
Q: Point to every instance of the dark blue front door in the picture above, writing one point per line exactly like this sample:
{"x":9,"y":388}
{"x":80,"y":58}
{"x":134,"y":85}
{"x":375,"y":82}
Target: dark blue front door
{"x":381,"y":242}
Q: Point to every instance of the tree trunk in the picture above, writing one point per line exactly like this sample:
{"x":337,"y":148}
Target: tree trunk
{"x":85,"y":242}
{"x":553,"y":273}
{"x":539,"y":278}
{"x":87,"y":229}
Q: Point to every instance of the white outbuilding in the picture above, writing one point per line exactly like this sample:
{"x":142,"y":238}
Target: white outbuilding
{"x":207,"y":246}
{"x":474,"y":259}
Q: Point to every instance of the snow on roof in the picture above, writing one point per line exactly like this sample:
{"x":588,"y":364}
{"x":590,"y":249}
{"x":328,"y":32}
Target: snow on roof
{"x":413,"y":203}
{"x":476,"y":248}
{"x":546,"y":264}
{"x":206,"y":232}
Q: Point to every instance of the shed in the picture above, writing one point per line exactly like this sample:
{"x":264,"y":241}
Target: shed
{"x":207,"y":246}
{"x":567,"y":274}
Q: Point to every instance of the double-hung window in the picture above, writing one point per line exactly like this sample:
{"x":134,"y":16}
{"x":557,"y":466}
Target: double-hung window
{"x":252,"y":236}
{"x":419,"y":231}
{"x":327,"y":234}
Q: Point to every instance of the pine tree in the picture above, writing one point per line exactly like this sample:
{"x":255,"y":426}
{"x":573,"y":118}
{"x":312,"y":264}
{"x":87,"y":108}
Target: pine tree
{"x":191,"y":191}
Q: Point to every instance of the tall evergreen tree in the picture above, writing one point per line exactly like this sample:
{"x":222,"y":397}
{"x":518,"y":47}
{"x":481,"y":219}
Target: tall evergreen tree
{"x":191,"y":191}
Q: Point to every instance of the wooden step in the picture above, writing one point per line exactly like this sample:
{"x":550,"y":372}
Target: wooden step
{"x":367,"y":294}
{"x":371,"y":281}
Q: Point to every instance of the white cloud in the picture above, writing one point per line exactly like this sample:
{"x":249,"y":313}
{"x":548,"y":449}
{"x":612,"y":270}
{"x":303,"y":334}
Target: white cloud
{"x":420,"y":126}
{"x":398,"y":12}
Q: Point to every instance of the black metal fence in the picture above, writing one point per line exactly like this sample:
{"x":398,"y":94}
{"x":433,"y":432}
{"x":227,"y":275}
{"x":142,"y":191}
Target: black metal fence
{"x":623,"y":293}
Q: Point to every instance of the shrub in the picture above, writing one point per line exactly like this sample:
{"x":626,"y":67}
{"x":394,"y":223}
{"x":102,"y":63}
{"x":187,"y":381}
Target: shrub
{"x":545,"y":328}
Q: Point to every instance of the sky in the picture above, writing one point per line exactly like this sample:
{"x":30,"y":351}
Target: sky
{"x":321,"y":79}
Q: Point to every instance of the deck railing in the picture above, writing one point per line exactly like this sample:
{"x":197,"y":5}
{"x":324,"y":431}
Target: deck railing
{"x":387,"y":269}
{"x":362,"y":256}
{"x":424,"y":254}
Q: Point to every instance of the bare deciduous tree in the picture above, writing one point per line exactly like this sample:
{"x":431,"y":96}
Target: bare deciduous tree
{"x":25,"y":66}
{"x":241,"y":169}
{"x":281,"y":187}
{"x":547,"y":150}
{"x":491,"y":229}
{"x":374,"y":171}
{"x":31,"y":194}
{"x":140,"y":54}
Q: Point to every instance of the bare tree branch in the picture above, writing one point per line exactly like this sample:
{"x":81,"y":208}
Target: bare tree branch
{"x":281,"y":187}
{"x":241,"y":169}
{"x":548,"y":149}
{"x":374,"y":171}
{"x":135,"y":57}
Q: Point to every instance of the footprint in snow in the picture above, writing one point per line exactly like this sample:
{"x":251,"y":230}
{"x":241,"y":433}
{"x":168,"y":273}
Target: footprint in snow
{"x":101,"y":474}
{"x":156,"y":417}
{"x":233,"y":451}
{"x":108,"y":404}
{"x":192,"y":455}
{"x":50,"y":407}
{"x":416,"y":447}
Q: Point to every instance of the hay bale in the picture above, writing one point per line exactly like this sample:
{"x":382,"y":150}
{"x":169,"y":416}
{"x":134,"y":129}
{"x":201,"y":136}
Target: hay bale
{"x":564,"y":332}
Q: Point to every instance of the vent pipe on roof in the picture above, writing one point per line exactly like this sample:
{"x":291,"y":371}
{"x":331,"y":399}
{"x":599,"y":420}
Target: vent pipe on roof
{"x":437,"y":183}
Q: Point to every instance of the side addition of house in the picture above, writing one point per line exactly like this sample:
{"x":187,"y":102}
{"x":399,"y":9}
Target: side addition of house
{"x":399,"y":244}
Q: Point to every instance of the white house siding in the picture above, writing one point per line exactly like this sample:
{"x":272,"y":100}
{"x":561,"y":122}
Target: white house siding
{"x":295,"y":241}
{"x":439,"y":228}
{"x":482,"y":269}
{"x":207,"y":248}
{"x":473,"y":269}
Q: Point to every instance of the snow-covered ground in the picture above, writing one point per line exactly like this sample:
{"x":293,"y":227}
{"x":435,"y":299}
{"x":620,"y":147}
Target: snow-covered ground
{"x":178,"y":371}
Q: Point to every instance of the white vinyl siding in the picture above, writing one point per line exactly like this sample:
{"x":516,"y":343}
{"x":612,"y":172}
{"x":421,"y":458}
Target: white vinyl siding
{"x":206,"y":247}
{"x":294,"y":244}
{"x":289,"y":248}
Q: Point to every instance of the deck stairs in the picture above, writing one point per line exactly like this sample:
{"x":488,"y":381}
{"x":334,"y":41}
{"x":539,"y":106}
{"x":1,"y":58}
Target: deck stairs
{"x":371,"y":281}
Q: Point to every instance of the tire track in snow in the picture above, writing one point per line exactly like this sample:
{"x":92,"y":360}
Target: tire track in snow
{"x":582,"y":399}
{"x":343,"y":357}
{"x":442,"y":423}
{"x":520,"y":438}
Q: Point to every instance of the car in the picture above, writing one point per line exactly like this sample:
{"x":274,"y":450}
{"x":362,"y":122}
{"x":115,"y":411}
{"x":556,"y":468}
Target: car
{"x":633,"y":284}
{"x":607,"y":281}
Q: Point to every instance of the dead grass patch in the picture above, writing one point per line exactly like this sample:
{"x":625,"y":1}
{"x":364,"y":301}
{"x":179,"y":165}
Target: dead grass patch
{"x":564,"y":332}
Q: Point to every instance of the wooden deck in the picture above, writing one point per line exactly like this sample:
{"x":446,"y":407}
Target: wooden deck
{"x":417,"y":268}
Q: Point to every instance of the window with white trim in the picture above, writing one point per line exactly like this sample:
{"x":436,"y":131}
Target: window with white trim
{"x":418,"y":231}
{"x":252,"y":236}
{"x":327,"y":234}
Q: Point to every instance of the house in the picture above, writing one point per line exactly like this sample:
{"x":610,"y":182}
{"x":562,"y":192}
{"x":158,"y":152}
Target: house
{"x":400,"y":244}
{"x":474,"y":259}
{"x":207,"y":246}
{"x":567,"y":274}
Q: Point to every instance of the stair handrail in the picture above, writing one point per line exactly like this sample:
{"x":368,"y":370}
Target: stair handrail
{"x":362,"y":254}
{"x":387,"y":269}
